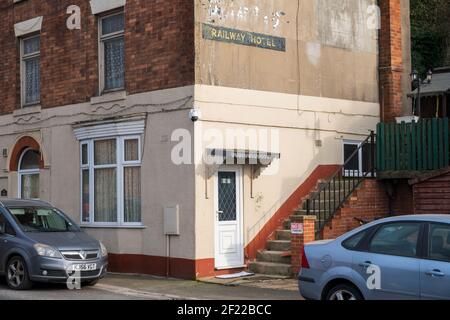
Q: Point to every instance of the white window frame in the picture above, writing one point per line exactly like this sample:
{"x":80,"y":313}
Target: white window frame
{"x":101,"y":51}
{"x":351,"y":173}
{"x":27,"y":172}
{"x":23,"y":58}
{"x":119,"y":166}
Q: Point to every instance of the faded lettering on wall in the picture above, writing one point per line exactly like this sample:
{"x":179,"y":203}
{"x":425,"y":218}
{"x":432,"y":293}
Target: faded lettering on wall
{"x":243,"y":38}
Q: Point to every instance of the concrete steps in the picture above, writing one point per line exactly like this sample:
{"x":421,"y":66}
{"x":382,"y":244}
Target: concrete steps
{"x":271,"y":268}
{"x":276,"y":259}
{"x":274,"y":256}
{"x":279,"y":245}
{"x":283,"y":234}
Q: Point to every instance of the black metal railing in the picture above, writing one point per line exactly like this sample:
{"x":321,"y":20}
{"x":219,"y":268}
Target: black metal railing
{"x":332,"y":194}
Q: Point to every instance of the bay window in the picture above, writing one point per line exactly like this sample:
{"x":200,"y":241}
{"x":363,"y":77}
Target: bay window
{"x":111,"y":181}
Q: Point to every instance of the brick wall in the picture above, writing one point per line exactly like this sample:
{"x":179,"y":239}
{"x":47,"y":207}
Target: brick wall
{"x":298,"y":241}
{"x":432,"y":196}
{"x":159,"y":40}
{"x":391,"y":59}
{"x":370,"y":201}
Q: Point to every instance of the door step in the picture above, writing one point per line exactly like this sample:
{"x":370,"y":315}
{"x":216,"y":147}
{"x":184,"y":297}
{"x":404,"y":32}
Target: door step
{"x":279,"y":245}
{"x":283,"y":234}
{"x":271,"y":268}
{"x":274,"y":256}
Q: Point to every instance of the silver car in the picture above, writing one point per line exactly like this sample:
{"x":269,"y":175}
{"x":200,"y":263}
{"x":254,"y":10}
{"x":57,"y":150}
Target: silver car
{"x":40,"y":243}
{"x":397,"y":258}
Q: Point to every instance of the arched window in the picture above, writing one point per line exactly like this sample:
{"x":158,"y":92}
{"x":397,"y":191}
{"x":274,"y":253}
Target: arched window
{"x":29,"y":165}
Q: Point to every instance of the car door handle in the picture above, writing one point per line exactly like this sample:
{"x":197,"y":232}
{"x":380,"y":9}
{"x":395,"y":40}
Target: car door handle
{"x":435,"y":273}
{"x":366,"y":264}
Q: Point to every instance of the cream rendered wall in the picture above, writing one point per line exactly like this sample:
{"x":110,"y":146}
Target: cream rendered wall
{"x":330,"y":51}
{"x":324,"y":88}
{"x":163,"y":183}
{"x":329,"y":121}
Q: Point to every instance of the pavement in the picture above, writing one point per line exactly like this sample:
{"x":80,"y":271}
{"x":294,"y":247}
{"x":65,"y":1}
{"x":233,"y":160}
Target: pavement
{"x":135,"y":287}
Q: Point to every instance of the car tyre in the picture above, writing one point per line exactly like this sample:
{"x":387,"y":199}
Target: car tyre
{"x":17,"y":277}
{"x":344,"y":292}
{"x":90,"y":283}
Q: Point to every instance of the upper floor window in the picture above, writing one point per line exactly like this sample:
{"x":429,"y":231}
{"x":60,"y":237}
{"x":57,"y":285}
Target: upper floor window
{"x":112,"y":52}
{"x":31,"y":73}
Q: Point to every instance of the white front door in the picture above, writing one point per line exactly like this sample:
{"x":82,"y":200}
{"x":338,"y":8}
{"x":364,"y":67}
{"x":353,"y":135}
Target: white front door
{"x":229,"y":246}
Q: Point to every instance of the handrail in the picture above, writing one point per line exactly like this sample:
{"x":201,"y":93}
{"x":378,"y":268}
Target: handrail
{"x":327,"y":200}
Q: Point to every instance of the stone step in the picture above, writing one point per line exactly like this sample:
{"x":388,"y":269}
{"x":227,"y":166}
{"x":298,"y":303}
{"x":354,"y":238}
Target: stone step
{"x":329,"y":194}
{"x":274,"y":256}
{"x":323,"y":203}
{"x":279,"y":245}
{"x":338,"y":181}
{"x":283,"y":234}
{"x":271,"y":268}
{"x":312,"y":212}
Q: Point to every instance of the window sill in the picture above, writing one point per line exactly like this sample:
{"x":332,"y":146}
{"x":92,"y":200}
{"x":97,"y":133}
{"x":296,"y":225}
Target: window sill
{"x":93,"y":226}
{"x":108,"y":97}
{"x":27,"y":110}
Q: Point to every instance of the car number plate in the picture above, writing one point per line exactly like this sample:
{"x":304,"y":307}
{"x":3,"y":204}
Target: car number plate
{"x":84,"y":267}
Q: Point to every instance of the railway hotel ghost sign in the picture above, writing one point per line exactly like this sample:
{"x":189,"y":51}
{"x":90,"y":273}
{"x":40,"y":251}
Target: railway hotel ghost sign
{"x":245,"y":38}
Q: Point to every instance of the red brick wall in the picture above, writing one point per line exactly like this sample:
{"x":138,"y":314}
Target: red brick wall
{"x":391,"y":59}
{"x":298,"y":241}
{"x":370,"y":201}
{"x":159,"y":40}
{"x":432,"y":196}
{"x":402,"y":203}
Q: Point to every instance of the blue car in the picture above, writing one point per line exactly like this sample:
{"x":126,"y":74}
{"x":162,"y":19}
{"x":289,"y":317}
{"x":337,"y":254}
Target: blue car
{"x":399,"y":258}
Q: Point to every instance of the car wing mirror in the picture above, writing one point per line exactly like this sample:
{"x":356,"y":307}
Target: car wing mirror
{"x":2,"y":228}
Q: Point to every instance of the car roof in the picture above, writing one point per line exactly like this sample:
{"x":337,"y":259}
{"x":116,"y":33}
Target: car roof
{"x":11,"y":203}
{"x":438,"y":218}
{"x":419,"y":217}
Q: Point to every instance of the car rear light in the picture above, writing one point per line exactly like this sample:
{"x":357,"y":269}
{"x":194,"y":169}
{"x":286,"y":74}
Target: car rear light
{"x":305,"y":263}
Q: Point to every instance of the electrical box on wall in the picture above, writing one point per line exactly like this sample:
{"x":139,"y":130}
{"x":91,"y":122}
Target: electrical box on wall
{"x":172,"y":220}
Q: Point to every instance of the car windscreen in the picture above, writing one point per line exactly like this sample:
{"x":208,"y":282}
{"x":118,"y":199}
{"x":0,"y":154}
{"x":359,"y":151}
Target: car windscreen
{"x":40,"y":219}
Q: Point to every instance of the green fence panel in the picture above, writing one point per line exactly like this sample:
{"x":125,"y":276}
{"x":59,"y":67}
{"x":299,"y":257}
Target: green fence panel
{"x":416,"y":146}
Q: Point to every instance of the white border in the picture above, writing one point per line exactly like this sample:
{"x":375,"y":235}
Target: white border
{"x":114,"y":129}
{"x":29,"y":26}
{"x":100,"y":6}
{"x":119,"y":166}
{"x":29,"y":172}
{"x":239,"y":198}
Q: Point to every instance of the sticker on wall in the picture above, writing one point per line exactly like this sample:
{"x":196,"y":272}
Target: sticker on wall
{"x":297,"y":228}
{"x":245,"y":38}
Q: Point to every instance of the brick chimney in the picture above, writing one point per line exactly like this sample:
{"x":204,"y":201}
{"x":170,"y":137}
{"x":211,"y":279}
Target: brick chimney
{"x":391,"y":60}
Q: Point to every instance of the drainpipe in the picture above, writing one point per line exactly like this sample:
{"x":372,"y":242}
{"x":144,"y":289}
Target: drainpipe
{"x":391,"y":193}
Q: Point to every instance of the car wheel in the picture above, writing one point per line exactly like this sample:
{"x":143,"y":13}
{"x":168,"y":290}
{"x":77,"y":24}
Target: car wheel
{"x":17,"y":274}
{"x":90,"y":283}
{"x":344,"y":292}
